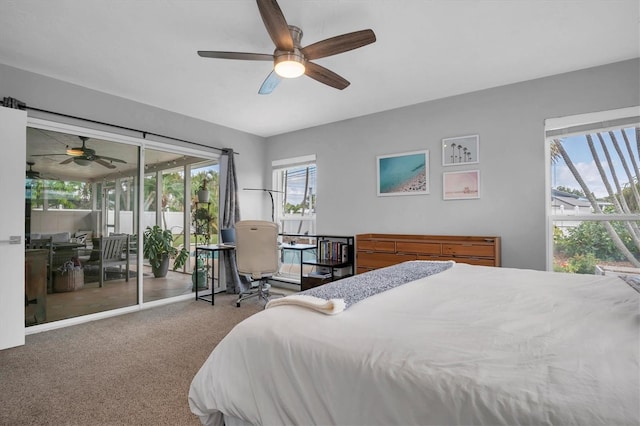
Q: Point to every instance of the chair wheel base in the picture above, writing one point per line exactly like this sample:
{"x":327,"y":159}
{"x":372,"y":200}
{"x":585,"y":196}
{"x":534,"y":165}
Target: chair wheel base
{"x":238,"y":305}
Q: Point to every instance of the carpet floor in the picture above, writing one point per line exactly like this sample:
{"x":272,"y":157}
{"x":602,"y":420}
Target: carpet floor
{"x":133,"y":369}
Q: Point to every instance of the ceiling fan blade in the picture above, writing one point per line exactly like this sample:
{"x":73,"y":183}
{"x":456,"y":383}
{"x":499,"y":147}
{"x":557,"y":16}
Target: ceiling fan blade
{"x":270,"y":83}
{"x":276,"y":24}
{"x":235,"y":55}
{"x":102,"y":157}
{"x":44,"y":155}
{"x":68,"y":160}
{"x":339,"y":44}
{"x":323,"y":75}
{"x":104,"y":163}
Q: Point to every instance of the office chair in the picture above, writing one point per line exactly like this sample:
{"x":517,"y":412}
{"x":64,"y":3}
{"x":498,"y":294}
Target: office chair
{"x":257,"y":256}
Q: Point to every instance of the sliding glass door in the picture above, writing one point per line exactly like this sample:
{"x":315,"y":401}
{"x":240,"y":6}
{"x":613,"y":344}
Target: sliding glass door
{"x":80,"y":230}
{"x":82,"y":221}
{"x":173,"y":213}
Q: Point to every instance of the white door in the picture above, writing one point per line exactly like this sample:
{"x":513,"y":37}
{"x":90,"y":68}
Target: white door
{"x":13,"y":134}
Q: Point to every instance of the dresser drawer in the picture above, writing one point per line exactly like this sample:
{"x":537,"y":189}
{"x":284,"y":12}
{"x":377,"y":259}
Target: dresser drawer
{"x":475,"y":250}
{"x":476,"y":261}
{"x":374,"y":245}
{"x":380,"y":250}
{"x":418,"y":247}
{"x":380,"y":260}
{"x":432,"y":257}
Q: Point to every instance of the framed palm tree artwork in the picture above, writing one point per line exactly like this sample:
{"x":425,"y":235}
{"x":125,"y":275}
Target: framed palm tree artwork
{"x":461,"y":150}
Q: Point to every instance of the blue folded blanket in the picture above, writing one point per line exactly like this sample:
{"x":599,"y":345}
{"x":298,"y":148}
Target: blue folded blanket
{"x":354,"y":289}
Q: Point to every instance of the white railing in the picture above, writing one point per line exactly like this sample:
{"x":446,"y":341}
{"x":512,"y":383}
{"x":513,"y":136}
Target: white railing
{"x":297,"y":224}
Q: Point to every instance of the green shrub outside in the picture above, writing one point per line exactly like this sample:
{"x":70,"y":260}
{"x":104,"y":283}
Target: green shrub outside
{"x":578,"y":264}
{"x":592,"y":238}
{"x":587,"y":245}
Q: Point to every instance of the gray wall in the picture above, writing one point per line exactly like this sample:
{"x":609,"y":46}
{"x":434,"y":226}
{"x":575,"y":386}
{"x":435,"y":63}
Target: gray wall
{"x":510,"y":122}
{"x":54,"y":95}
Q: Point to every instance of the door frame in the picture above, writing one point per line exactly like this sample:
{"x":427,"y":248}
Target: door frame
{"x":12,"y":256}
{"x":143,"y":144}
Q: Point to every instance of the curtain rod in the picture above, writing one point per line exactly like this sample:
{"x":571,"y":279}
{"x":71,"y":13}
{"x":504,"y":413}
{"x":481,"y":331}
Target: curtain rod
{"x":16,"y":104}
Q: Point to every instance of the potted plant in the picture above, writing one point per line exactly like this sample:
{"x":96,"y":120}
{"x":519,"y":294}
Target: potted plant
{"x":202,"y":220}
{"x":199,"y":274}
{"x":158,"y":248}
{"x":203,"y":191}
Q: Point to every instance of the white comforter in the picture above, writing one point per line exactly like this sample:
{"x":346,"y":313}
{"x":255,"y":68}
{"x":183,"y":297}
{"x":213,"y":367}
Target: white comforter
{"x":469,"y":346}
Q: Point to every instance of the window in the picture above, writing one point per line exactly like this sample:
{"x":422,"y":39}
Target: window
{"x":594,"y":196}
{"x":61,"y":195}
{"x":295,"y":201}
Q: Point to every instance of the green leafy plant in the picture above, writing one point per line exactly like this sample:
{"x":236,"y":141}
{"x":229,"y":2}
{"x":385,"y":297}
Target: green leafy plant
{"x":202,"y":219}
{"x":592,"y":237}
{"x":202,"y":214}
{"x":203,"y":185}
{"x":578,"y":264}
{"x":159,"y":243}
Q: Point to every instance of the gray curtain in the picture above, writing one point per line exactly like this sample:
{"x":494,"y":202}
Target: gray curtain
{"x":230,"y":215}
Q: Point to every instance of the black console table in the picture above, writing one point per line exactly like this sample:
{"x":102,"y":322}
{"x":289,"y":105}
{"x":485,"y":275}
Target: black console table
{"x":211,"y":248}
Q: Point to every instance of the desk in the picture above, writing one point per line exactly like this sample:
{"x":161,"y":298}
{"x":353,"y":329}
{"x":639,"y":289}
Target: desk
{"x":211,"y":248}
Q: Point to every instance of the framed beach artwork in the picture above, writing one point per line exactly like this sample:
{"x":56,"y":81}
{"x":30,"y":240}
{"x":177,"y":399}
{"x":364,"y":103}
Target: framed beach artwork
{"x":461,"y":150}
{"x":463,"y":185}
{"x":403,"y":174}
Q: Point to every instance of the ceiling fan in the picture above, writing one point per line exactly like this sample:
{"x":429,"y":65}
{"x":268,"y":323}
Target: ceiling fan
{"x":84,"y":156}
{"x":33,"y":174}
{"x":289,"y":58}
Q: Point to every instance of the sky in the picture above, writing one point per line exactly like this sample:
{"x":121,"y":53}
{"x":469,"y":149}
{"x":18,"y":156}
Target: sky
{"x":578,"y":150}
{"x":295,"y":186}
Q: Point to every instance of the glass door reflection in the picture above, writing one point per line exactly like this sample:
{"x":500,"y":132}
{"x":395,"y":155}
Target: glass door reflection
{"x":72,"y":208}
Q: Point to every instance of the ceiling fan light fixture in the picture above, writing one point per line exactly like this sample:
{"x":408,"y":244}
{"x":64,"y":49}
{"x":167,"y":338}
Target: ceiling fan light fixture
{"x":289,"y":65}
{"x":75,"y":152}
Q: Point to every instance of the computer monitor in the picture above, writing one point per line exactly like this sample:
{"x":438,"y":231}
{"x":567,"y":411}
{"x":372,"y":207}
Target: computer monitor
{"x":228,"y":235}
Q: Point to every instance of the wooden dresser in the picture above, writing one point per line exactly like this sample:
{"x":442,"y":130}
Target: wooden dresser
{"x":375,"y":251}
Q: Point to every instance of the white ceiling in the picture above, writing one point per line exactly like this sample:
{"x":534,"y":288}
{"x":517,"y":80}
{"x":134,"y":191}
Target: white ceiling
{"x":146,"y":51}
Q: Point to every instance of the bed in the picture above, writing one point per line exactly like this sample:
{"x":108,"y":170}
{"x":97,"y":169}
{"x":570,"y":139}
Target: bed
{"x":470,"y":345}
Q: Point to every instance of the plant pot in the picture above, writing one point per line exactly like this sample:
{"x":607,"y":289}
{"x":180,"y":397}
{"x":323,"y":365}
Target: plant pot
{"x":161,"y":272}
{"x":203,"y":196}
{"x":199,"y":276}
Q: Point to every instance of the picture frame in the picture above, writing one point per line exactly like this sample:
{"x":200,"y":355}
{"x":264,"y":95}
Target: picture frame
{"x":461,"y":150}
{"x":403,"y":174}
{"x":463,"y":185}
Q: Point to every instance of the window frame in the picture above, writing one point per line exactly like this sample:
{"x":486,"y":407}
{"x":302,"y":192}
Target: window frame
{"x":579,"y":125}
{"x":277,"y":167}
